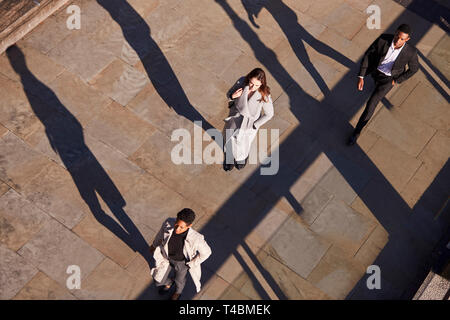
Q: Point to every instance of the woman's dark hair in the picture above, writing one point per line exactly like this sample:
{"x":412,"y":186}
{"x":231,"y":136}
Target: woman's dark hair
{"x":259,"y":74}
{"x":186,"y":215}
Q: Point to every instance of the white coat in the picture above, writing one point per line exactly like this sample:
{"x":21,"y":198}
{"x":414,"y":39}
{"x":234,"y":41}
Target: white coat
{"x":195,"y":250}
{"x":243,"y":115}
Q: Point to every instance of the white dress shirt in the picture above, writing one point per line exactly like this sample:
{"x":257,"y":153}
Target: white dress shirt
{"x":389,"y":60}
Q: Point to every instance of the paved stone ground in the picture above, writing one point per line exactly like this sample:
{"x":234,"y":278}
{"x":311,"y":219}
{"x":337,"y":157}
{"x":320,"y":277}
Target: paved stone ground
{"x":86,"y":177}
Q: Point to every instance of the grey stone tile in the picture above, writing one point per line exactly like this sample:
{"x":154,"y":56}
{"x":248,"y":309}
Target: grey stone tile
{"x":120,"y":81}
{"x":80,"y":99}
{"x":19,"y":163}
{"x":20,"y":220}
{"x":151,"y":202}
{"x":436,"y":114}
{"x":54,"y":191}
{"x":336,"y":275}
{"x":41,"y":287}
{"x":108,"y":281}
{"x":160,"y":163}
{"x":3,"y":188}
{"x":345,"y":20}
{"x":104,"y":240}
{"x":397,"y":166}
{"x":16,"y":113}
{"x":297,"y":247}
{"x":120,"y":128}
{"x":314,"y":203}
{"x":194,"y":44}
{"x":15,"y":272}
{"x":336,"y":184}
{"x":40,"y":66}
{"x":405,"y":131}
{"x":343,"y":226}
{"x":71,"y":51}
{"x":286,"y":283}
{"x":54,"y":248}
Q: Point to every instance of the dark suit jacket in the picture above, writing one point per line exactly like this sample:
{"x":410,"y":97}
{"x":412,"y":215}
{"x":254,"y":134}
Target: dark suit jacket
{"x":376,"y":53}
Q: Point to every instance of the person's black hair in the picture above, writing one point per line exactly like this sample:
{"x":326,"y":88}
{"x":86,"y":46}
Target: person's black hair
{"x":186,"y":215}
{"x":405,"y":28}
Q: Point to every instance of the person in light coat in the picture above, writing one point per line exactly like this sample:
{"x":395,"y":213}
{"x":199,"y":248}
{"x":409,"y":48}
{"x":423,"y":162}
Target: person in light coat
{"x":177,"y":246}
{"x":251,"y":107}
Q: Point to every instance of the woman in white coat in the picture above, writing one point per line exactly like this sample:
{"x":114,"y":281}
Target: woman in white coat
{"x":252,"y":107}
{"x":177,"y":246}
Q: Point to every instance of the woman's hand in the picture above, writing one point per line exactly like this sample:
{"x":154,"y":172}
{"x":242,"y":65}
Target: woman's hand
{"x":237,"y":93}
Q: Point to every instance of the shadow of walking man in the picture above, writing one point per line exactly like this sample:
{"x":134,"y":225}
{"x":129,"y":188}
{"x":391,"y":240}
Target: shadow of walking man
{"x":66,"y":138}
{"x":138,"y":35}
{"x":287,"y":19}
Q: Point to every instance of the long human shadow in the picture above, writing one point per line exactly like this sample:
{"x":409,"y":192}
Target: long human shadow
{"x":287,"y":19}
{"x":137,"y":33}
{"x":425,"y":210}
{"x":439,"y":74}
{"x":323,"y":129}
{"x":66,"y":138}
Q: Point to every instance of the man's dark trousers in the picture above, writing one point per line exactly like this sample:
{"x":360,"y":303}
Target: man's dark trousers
{"x":383,"y":84}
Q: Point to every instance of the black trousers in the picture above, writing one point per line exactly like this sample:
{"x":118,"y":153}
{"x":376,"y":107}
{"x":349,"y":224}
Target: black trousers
{"x":383,"y":84}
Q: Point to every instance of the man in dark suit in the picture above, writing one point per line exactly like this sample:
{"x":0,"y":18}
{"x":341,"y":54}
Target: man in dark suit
{"x":386,"y":61}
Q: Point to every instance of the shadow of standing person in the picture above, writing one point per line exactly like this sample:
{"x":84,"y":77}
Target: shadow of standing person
{"x":138,"y":35}
{"x":66,"y":138}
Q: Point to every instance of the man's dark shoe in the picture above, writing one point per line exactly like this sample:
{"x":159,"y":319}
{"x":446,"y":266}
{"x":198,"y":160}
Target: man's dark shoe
{"x":240,"y":166}
{"x":163,"y":289}
{"x":175,"y":296}
{"x":352,"y":139}
{"x":228,"y":167}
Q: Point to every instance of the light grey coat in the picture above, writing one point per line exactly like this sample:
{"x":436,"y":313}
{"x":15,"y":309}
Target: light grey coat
{"x":243,"y":115}
{"x":195,"y":250}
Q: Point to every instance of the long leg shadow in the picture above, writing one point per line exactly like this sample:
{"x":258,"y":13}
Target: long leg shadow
{"x":430,"y":78}
{"x":410,"y":238}
{"x":288,"y":21}
{"x":66,"y":138}
{"x":138,"y":35}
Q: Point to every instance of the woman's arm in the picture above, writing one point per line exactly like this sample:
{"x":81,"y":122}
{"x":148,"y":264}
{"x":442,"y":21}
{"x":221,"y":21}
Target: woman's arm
{"x":238,"y":85}
{"x":268,"y":113}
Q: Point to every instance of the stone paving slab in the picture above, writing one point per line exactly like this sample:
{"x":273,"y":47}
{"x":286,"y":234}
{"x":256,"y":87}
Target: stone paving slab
{"x":336,"y":274}
{"x":80,"y":99}
{"x":346,"y":20}
{"x":402,"y":129}
{"x":343,"y":226}
{"x":16,"y":113}
{"x":306,"y":254}
{"x":19,"y":162}
{"x":98,"y":236}
{"x":119,"y":128}
{"x":54,"y":248}
{"x":436,"y":114}
{"x":3,"y":188}
{"x":20,"y":220}
{"x":397,"y":166}
{"x":15,"y":272}
{"x":54,"y":192}
{"x":292,"y":286}
{"x":41,"y":287}
{"x":118,"y":282}
{"x":120,"y":82}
